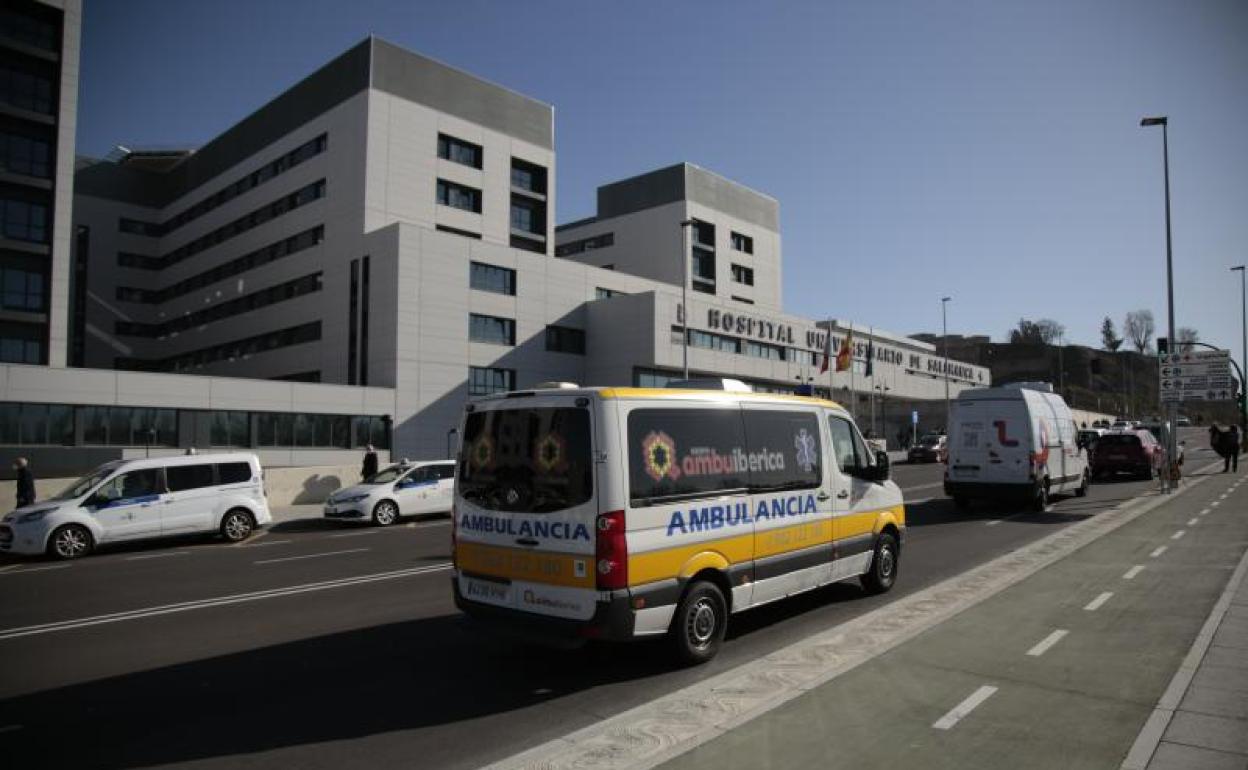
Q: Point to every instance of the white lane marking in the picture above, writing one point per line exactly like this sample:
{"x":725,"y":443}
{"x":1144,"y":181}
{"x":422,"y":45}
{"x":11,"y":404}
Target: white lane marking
{"x":1158,"y":551}
{"x":965,"y":707}
{"x":1131,"y":573}
{"x":166,"y":609}
{"x":1214,"y":504}
{"x":1178,"y":534}
{"x":357,"y":534}
{"x":156,"y":555}
{"x":917,"y":487}
{"x":1193,"y":522}
{"x":1202,"y":513}
{"x":8,"y":567}
{"x":1224,"y":495}
{"x":1043,"y":646}
{"x":310,"y":556}
{"x":37,"y":569}
{"x":920,"y":501}
{"x":1096,"y":603}
{"x":265,"y":543}
{"x":995,"y":522}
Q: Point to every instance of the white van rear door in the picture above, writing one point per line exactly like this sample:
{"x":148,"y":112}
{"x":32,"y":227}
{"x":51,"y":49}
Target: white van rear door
{"x":525,"y":506}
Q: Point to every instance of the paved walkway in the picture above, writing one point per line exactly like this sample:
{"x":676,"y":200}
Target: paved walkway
{"x":1201,"y":722}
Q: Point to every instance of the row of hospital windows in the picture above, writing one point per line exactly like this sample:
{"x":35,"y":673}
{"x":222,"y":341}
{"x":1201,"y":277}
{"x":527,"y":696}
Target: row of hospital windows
{"x":305,"y":151}
{"x":26,"y":155}
{"x":486,"y":381}
{"x":524,"y":176}
{"x":25,"y":26}
{"x":753,"y":348}
{"x":256,"y":300}
{"x":502,"y":331}
{"x":26,"y":90}
{"x":24,"y":424}
{"x":235,"y":350}
{"x":269,"y":211}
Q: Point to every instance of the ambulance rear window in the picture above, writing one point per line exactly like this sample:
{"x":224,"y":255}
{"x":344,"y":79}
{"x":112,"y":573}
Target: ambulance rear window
{"x":527,"y":460}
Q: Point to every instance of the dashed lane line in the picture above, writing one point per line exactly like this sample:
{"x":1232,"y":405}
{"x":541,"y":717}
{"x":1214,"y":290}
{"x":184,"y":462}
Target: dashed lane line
{"x":167,"y":609}
{"x":145,"y":556}
{"x":1178,"y":534}
{"x":1131,"y":573}
{"x":1158,"y":551}
{"x":965,"y":707}
{"x":22,"y":569}
{"x":1098,"y":602}
{"x":311,"y":556}
{"x":1044,"y":644}
{"x":1193,"y":521}
{"x":357,"y":534}
{"x":265,"y":543}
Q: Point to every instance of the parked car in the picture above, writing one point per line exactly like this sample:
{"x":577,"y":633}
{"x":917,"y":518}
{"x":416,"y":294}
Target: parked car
{"x":1014,"y":441}
{"x":1128,"y":451}
{"x":143,"y":498}
{"x":1183,"y":422}
{"x":394,"y":491}
{"x":1088,"y":436}
{"x":930,"y":448}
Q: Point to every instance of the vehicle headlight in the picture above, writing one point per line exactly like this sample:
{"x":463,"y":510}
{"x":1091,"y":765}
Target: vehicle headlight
{"x":33,"y":516}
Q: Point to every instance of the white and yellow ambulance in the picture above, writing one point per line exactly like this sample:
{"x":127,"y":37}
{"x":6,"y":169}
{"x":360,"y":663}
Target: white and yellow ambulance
{"x":624,"y":513}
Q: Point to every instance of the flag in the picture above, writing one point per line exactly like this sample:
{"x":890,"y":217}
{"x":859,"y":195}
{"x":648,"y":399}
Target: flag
{"x":870,"y":356}
{"x":845,"y":356}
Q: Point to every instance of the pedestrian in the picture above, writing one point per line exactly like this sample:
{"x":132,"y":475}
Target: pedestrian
{"x":370,"y":462}
{"x":25,"y":483}
{"x":1230,"y":460}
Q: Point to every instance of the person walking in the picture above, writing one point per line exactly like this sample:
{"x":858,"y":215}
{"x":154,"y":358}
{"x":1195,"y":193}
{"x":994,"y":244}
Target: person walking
{"x":1231,"y":453}
{"x":25,"y":482}
{"x":370,"y":463}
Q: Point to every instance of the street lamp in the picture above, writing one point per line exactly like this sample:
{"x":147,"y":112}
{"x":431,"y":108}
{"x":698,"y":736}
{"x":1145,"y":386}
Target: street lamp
{"x":684,"y":288}
{"x":944,"y":335}
{"x":1163,"y":121}
{"x":1243,"y":309}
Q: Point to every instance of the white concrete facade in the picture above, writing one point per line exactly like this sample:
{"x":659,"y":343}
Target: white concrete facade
{"x":374,"y":117}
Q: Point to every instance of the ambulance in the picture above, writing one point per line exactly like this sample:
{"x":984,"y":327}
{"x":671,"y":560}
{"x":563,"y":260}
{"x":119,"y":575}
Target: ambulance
{"x":636,"y":513}
{"x":1014,"y":442}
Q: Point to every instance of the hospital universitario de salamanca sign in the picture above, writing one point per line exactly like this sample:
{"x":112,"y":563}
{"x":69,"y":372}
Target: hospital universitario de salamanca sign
{"x":751,"y":327}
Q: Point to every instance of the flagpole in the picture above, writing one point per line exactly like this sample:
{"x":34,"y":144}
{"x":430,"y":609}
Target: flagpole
{"x":853,"y":392}
{"x":871,"y":370}
{"x":828,"y":360}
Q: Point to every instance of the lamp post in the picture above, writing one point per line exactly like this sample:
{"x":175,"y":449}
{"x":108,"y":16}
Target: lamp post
{"x":1163,"y":121}
{"x":944,"y":336}
{"x":1243,"y":387}
{"x":685,"y":224}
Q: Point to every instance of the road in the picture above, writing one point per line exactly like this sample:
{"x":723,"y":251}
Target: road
{"x":322,"y":645}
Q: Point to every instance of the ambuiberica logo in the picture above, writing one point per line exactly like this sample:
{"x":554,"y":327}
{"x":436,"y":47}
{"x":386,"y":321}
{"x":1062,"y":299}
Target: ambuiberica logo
{"x":662,"y":461}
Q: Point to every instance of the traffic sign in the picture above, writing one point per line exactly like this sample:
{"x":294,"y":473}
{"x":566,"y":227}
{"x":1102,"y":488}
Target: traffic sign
{"x":914,"y":417}
{"x":1195,"y":376}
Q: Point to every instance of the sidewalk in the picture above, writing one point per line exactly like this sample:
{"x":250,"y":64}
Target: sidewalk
{"x":1202,"y":719}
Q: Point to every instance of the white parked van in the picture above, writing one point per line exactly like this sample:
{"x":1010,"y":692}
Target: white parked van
{"x":1014,"y":442}
{"x":136,"y":499}
{"x":625,"y":513}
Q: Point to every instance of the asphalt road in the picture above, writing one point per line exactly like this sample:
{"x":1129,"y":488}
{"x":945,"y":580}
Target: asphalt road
{"x":323,"y":645}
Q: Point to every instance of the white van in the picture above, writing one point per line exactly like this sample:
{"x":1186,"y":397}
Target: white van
{"x":399,"y":490}
{"x":1013,"y":442}
{"x":137,"y":499}
{"x":625,"y":513}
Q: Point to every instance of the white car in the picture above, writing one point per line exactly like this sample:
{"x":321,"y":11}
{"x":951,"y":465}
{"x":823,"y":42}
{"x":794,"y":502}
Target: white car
{"x":138,"y":499}
{"x":399,"y":490}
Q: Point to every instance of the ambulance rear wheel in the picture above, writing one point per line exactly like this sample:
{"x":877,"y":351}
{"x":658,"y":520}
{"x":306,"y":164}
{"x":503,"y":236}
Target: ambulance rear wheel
{"x":699,"y":623}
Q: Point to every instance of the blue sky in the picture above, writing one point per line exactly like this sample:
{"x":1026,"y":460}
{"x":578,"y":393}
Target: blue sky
{"x":986,"y":150}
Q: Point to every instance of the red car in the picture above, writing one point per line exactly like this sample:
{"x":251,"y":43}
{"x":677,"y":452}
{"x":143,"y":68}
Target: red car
{"x":1125,"y":451}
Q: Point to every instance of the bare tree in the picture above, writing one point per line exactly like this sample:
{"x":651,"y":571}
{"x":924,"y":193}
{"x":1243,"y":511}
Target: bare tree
{"x":1109,"y":335}
{"x":1184,"y":337}
{"x":1026,"y":332}
{"x":1139,"y":328}
{"x":1050,"y":331}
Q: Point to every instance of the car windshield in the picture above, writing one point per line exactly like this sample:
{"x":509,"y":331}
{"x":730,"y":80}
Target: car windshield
{"x":387,"y":475}
{"x":527,"y":460}
{"x":1119,"y":440}
{"x":86,"y":483}
{"x":930,"y":440}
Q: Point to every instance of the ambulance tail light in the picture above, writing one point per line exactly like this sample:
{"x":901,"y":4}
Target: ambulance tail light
{"x":611,"y":552}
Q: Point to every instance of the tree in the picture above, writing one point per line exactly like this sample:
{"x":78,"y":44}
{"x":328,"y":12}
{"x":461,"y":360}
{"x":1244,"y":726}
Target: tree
{"x":1139,"y":328}
{"x":1050,"y":331}
{"x":1026,"y":332}
{"x":1184,"y":337}
{"x":1109,"y":335}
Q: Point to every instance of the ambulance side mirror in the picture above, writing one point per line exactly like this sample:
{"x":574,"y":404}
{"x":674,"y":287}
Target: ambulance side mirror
{"x":881,"y":470}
